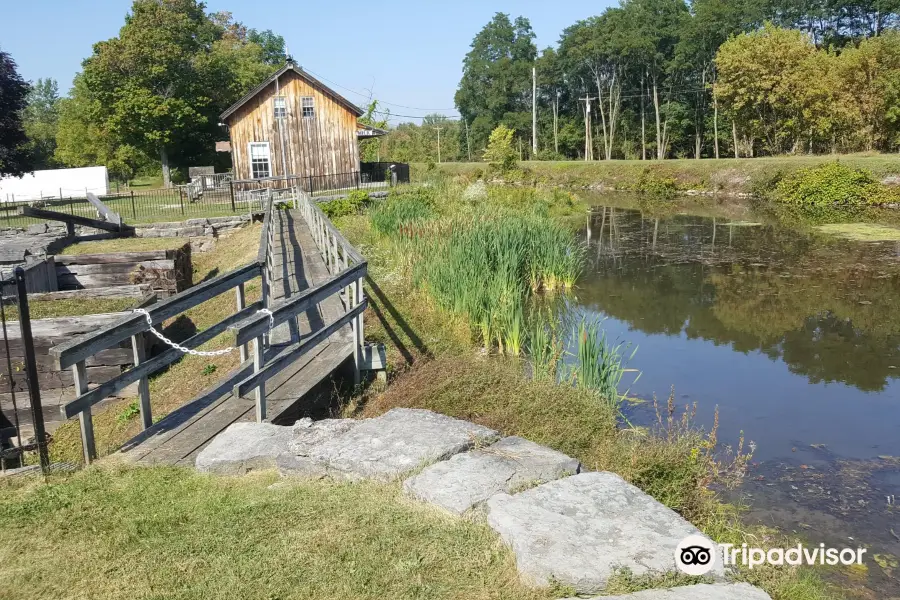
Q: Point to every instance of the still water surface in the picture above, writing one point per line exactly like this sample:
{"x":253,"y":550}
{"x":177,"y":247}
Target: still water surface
{"x":795,"y":337}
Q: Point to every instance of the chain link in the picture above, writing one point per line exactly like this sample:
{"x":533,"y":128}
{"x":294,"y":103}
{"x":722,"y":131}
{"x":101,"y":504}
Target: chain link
{"x":186,"y":350}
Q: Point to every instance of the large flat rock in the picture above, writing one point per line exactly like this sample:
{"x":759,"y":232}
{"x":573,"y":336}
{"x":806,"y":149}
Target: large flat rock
{"x":719,"y":591}
{"x":397,"y":442}
{"x":244,"y":447}
{"x":581,"y":529}
{"x":470,"y":478}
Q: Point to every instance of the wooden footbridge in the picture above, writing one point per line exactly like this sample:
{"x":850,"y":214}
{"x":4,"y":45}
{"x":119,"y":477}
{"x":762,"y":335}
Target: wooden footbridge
{"x":308,"y":324}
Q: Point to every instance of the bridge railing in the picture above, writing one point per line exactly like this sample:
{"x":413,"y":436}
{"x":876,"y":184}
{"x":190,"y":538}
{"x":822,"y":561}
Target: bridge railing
{"x":348,"y":269}
{"x":75,"y":353}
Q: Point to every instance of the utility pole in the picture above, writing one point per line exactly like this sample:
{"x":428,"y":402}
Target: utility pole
{"x":534,"y":148}
{"x":439,"y":143}
{"x":588,"y":140}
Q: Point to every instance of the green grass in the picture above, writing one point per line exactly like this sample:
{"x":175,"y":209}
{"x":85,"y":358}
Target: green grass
{"x":125,"y":245}
{"x":48,"y":309}
{"x":110,"y":533}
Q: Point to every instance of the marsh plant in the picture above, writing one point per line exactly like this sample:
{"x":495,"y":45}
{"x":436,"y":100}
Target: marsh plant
{"x":545,"y":348}
{"x":598,"y":364}
{"x":483,"y":264}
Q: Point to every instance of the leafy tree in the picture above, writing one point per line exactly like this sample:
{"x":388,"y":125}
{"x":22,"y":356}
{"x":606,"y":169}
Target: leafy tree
{"x":763,"y":77}
{"x":15,"y":157}
{"x":272,"y":45}
{"x":370,"y":150}
{"x":41,"y":120}
{"x":500,"y":153}
{"x":496,"y":83}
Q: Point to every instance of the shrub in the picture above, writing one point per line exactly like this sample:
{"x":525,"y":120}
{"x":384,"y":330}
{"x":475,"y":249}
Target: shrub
{"x":657,"y":186}
{"x":549,"y":155}
{"x":821,"y":190}
{"x":500,"y":153}
{"x":350,"y":205}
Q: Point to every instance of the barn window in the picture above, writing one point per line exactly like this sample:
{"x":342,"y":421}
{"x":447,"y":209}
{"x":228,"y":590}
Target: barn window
{"x":280,"y":107}
{"x":308,"y":106}
{"x":260,"y":160}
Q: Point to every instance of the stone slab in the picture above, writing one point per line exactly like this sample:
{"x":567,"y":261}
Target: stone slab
{"x":469,"y":479}
{"x":581,"y":529}
{"x":245,"y":447}
{"x":719,"y":591}
{"x":397,"y":442}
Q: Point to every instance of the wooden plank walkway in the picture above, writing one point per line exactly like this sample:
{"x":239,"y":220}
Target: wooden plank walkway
{"x":177,"y":438}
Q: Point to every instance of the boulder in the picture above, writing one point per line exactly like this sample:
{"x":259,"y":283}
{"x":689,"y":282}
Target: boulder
{"x":719,"y":591}
{"x":397,"y":442}
{"x":469,"y":479}
{"x":579,"y":530}
{"x":245,"y":447}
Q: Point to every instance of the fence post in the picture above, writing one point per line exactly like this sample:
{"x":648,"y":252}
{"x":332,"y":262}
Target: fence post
{"x":84,"y":417}
{"x":260,"y":393}
{"x":133,"y":208}
{"x":181,"y":200}
{"x":231,"y":187}
{"x":34,"y":390}
{"x":138,"y":350}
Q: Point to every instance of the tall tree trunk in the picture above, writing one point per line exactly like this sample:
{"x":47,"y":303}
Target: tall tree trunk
{"x":737,"y":148}
{"x":716,"y":123}
{"x":602,"y":116}
{"x":615,"y":103}
{"x":556,"y":123}
{"x":660,"y":149}
{"x":643,"y":122}
{"x":166,"y":171}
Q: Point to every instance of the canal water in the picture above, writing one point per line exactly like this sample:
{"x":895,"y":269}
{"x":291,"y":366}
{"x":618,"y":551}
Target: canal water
{"x":795,"y":337}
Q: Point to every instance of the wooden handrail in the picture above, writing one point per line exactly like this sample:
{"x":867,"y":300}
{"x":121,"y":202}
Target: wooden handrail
{"x":257,"y":325}
{"x":290,"y":354}
{"x":152,"y":365}
{"x":69,"y":353}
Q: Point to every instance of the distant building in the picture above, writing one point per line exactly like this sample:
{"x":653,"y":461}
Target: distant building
{"x":293,"y":124}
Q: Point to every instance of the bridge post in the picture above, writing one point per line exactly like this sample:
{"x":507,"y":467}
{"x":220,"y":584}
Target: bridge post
{"x":138,"y":350}
{"x":359,"y":339}
{"x":84,"y":417}
{"x":241,"y":305}
{"x":260,"y":393}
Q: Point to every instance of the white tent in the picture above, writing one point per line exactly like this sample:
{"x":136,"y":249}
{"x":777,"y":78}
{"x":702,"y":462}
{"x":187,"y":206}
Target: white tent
{"x":54,"y":183}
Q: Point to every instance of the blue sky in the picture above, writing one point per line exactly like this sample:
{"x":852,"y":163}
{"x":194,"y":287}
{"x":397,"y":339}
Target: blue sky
{"x":408,"y":53}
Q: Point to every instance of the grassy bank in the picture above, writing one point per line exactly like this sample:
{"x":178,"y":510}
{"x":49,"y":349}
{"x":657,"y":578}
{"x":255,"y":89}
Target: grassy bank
{"x":438,"y":362}
{"x":726,"y":176}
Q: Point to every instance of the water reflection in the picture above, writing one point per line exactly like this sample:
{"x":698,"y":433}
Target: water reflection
{"x":829,"y":309}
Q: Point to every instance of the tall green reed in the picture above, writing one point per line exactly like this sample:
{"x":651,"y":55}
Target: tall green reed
{"x":599,"y":365}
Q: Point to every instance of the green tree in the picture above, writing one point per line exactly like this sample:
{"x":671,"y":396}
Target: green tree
{"x":500,"y":153}
{"x":496,"y":83}
{"x":764,"y":79}
{"x":370,"y":150}
{"x":15,"y":155}
{"x":41,"y":120}
{"x":272,"y":45}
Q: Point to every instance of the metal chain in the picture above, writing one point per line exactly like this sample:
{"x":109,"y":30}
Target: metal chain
{"x":186,"y":350}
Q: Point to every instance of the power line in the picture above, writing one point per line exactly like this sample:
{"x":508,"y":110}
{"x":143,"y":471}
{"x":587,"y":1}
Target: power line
{"x":364,"y":95}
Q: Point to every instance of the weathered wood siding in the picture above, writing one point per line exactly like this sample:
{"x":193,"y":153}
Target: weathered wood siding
{"x":57,"y":387}
{"x":322,"y":145}
{"x":166,"y":271}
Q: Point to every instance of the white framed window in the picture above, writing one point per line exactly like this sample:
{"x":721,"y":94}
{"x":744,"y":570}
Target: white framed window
{"x":280,"y":107}
{"x":260,"y":160}
{"x":308,"y":107}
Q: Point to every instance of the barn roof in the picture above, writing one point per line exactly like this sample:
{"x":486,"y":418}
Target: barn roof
{"x":303,"y":75}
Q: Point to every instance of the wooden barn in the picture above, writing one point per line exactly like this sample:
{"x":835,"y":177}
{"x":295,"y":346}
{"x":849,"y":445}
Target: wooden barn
{"x":294,"y":125}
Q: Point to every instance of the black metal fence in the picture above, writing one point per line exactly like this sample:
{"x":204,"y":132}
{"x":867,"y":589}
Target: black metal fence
{"x":221,"y":199}
{"x":23,"y":437}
